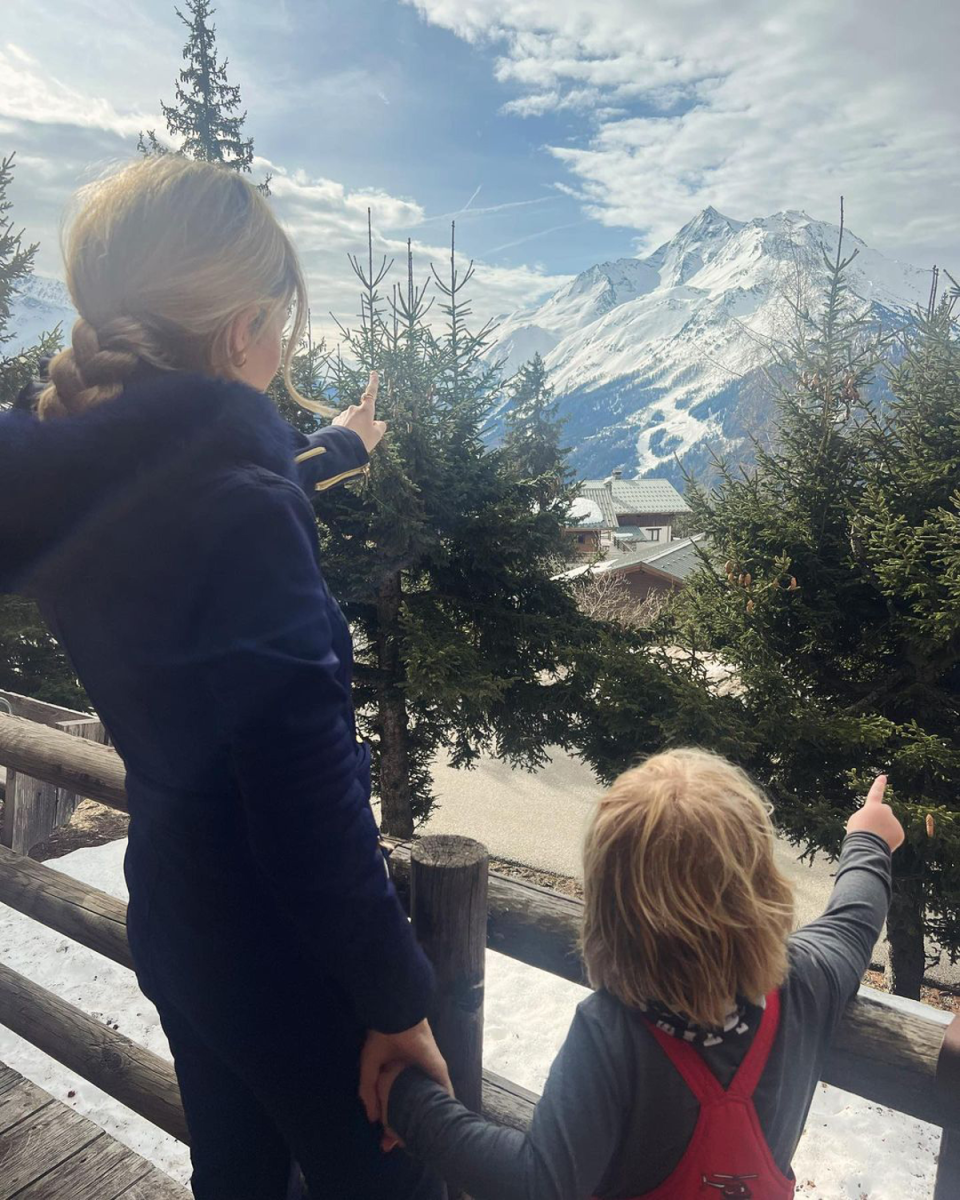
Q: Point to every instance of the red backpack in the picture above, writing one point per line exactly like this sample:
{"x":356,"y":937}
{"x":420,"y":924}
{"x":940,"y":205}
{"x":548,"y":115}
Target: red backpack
{"x":728,"y":1156}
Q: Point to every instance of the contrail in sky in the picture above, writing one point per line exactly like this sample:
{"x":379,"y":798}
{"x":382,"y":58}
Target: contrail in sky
{"x":531,"y":237}
{"x":472,"y":198}
{"x":494,"y":208}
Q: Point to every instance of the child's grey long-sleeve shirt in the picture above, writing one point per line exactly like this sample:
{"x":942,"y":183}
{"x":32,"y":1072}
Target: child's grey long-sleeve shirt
{"x":615,"y":1117}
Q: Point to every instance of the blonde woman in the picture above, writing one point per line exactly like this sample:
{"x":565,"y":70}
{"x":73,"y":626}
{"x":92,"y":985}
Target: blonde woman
{"x":161,"y":517}
{"x":691,"y":1069}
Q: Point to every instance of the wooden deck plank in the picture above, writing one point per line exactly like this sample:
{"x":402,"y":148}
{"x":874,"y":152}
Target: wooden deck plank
{"x":155,"y":1186}
{"x":8,"y":1078}
{"x":48,"y":1151}
{"x":19,"y":1101}
{"x":39,"y":1143}
{"x":100,"y":1171}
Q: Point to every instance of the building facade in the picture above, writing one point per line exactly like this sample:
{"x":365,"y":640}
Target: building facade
{"x":618,"y":513}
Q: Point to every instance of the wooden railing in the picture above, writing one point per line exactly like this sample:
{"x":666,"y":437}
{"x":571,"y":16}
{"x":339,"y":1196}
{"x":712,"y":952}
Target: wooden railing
{"x":894,"y":1052}
{"x":33,"y":808}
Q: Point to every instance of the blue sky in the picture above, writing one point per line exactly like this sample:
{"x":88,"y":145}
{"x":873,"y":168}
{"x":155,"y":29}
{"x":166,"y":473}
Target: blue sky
{"x":419,"y":113}
{"x":562,"y":132}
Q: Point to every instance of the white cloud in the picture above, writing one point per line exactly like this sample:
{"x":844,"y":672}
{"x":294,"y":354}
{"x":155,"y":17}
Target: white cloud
{"x":328,"y":221}
{"x":742,"y":105}
{"x":28,"y":92}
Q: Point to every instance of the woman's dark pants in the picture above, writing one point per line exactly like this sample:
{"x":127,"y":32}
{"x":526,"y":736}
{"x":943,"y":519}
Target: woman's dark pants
{"x":267,"y":1054}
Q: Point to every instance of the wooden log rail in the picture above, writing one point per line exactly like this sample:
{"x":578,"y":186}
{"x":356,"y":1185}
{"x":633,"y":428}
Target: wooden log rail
{"x":142,"y":1080}
{"x":33,"y":809}
{"x":886,"y":1049}
{"x":118,"y":1066}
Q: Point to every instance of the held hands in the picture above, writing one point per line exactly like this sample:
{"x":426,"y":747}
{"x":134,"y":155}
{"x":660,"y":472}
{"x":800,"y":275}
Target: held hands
{"x":384,"y":1056}
{"x":877,"y":817}
{"x":386,"y":1081}
{"x":362,"y":417}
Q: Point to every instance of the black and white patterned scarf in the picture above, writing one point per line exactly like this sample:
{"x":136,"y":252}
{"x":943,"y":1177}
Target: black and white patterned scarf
{"x":739,"y":1020}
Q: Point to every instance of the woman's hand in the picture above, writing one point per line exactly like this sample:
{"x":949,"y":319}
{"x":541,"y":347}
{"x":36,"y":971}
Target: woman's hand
{"x":362,"y":417}
{"x":387,"y":1079}
{"x":413,"y":1048}
{"x":877,"y":817}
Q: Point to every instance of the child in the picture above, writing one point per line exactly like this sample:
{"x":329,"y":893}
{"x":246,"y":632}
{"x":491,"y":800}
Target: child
{"x":700,"y":987}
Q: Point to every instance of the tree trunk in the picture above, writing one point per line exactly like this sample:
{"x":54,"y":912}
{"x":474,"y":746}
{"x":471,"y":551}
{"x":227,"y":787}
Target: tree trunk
{"x":395,"y":802}
{"x":905,"y":936}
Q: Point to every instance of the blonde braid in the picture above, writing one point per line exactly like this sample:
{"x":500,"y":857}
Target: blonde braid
{"x":97,"y":365}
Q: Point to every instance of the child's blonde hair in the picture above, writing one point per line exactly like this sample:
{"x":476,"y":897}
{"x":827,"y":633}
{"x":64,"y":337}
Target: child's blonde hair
{"x":685,"y":904}
{"x":161,"y":257}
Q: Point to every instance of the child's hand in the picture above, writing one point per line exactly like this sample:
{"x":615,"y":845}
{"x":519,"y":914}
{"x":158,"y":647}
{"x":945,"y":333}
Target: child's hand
{"x":877,"y":817}
{"x":385,"y":1082}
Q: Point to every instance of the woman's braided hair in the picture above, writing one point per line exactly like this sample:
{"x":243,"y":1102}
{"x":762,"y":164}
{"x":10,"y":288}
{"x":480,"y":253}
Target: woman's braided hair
{"x":97,"y":365}
{"x":161,"y":258}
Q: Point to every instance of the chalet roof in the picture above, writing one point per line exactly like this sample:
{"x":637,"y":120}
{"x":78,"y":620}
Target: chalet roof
{"x":677,"y":559}
{"x":637,"y":496}
{"x":593,"y":509}
{"x":586,"y":513}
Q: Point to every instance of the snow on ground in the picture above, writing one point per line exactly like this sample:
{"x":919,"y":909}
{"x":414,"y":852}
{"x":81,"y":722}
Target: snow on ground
{"x":852,"y":1150}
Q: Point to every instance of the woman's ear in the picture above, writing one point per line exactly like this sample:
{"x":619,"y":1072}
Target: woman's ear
{"x":241,"y":335}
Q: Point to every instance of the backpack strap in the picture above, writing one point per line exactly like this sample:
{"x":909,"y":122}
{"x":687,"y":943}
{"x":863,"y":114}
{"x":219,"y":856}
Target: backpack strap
{"x":701,"y":1080}
{"x":755,"y":1060}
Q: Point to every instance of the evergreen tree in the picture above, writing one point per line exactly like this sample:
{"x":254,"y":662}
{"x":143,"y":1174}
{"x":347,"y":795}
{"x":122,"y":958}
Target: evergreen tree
{"x":906,"y":540}
{"x":30,"y":661}
{"x":444,"y":562}
{"x":16,"y":266}
{"x":205,"y":118}
{"x":16,"y":259}
{"x":533,"y":429}
{"x":308,"y":371}
{"x":830,"y":591}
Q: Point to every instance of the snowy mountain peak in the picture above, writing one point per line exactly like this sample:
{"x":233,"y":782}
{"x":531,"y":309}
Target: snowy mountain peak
{"x":664,"y":356}
{"x":39,"y":305}
{"x":696,"y":244}
{"x":709,"y":222}
{"x":44,"y":289}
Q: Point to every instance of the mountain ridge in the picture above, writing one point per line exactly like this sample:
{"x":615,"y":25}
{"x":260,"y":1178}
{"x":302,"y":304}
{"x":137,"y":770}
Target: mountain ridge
{"x":661,"y":357}
{"x":40,"y":304}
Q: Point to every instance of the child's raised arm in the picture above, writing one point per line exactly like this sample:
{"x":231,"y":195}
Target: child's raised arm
{"x":833,"y":951}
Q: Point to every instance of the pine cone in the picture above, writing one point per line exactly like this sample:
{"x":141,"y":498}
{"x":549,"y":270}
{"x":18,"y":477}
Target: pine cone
{"x":931,"y":827}
{"x":793,"y":585}
{"x":750,"y":606}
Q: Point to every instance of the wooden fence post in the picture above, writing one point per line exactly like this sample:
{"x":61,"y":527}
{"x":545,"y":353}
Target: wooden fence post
{"x":34,"y":808}
{"x":449,"y":907}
